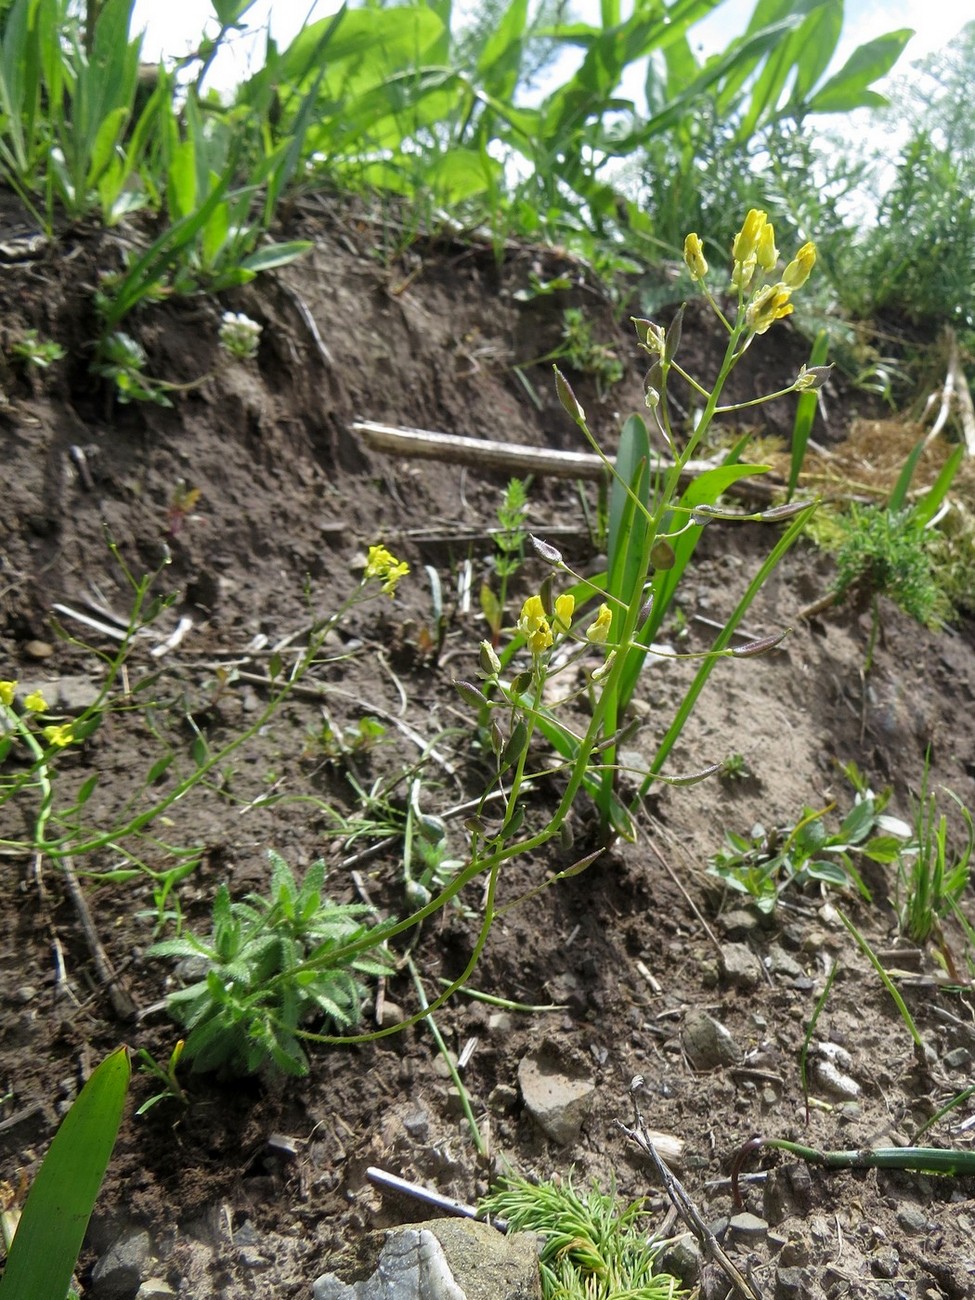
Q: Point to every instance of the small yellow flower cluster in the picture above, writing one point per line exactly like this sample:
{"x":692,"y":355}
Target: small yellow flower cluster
{"x":35,"y":703}
{"x":754,"y":250}
{"x":540,"y":633}
{"x":59,"y":736}
{"x":7,"y":690}
{"x":384,"y":566}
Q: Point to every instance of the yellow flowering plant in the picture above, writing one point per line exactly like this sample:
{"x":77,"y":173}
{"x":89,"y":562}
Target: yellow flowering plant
{"x":654,"y":526}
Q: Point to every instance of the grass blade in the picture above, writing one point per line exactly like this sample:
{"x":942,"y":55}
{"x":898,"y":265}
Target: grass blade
{"x":55,"y":1218}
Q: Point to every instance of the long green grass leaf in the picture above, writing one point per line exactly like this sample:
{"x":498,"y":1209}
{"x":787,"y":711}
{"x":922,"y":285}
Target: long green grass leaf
{"x":52,"y":1227}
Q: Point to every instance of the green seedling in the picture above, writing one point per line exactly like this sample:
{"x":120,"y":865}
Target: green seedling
{"x":122,"y":361}
{"x":593,"y":1247}
{"x":269,"y":967}
{"x":171,"y":1089}
{"x":36,"y":353}
{"x":510,"y":538}
{"x":931,"y":881}
{"x":582,"y":352}
{"x":766,"y":863}
{"x":427,"y":863}
{"x":734,"y":768}
{"x":42,"y":1256}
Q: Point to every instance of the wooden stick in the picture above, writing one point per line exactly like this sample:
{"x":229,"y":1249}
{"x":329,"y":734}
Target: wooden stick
{"x":424,"y":444}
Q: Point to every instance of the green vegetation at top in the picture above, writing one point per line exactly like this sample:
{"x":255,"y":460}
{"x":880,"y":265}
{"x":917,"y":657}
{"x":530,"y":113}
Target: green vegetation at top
{"x":408,"y":98}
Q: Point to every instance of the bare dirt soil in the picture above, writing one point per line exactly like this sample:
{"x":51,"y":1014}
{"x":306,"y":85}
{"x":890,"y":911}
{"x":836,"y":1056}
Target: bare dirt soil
{"x":630,"y":951}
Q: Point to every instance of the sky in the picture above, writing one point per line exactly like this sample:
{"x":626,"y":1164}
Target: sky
{"x":173,"y":27}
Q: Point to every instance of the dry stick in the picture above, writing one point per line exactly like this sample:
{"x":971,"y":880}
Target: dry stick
{"x":122,"y":1003}
{"x":515,"y":458}
{"x":687,"y":1210}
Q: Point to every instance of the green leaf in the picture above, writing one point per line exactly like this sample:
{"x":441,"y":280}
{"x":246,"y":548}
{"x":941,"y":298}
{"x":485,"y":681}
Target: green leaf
{"x":44,"y":1251}
{"x":868,"y":63}
{"x":272,"y":255}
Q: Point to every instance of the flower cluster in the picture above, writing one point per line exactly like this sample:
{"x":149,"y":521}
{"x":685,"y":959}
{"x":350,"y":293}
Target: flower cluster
{"x":384,"y":566}
{"x":58,"y":736}
{"x":240,"y":335}
{"x":540,"y":630}
{"x":755,"y":254}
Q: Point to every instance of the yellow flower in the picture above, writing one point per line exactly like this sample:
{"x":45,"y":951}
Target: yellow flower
{"x":767,"y":254}
{"x":384,"y":566}
{"x":747,"y":239}
{"x":564,"y":609}
{"x":796,"y":273}
{"x":534,"y":626}
{"x":35,"y":703}
{"x":694,"y":257}
{"x":769,"y":305}
{"x":743,"y":274}
{"x":59,"y":736}
{"x":7,"y":690}
{"x":598,"y":631}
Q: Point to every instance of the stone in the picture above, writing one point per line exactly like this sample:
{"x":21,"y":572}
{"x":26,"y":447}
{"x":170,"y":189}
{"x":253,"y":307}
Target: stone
{"x":740,"y":967}
{"x":959,"y":1058}
{"x":682,"y":1259}
{"x":788,"y":1192}
{"x":707,"y":1043}
{"x":911,"y":1219}
{"x":557,"y":1091}
{"x":747,"y":1227}
{"x":118,"y":1273}
{"x":441,"y":1259}
{"x":780,"y":962}
{"x":154,"y":1288}
{"x":738,"y":923}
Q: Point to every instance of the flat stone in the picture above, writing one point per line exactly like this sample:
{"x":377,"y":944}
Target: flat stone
{"x":748,"y":1227}
{"x":118,"y":1273}
{"x":738,"y":923}
{"x":707,"y":1043}
{"x":442,"y":1259}
{"x":557,"y":1092}
{"x":959,"y":1058}
{"x":780,"y":962}
{"x":740,"y":967}
{"x":154,"y":1288}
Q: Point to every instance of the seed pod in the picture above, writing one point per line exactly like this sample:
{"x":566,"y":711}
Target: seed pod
{"x":521,"y":683}
{"x":760,"y":647}
{"x":566,"y":836}
{"x":470,"y":694}
{"x":662,"y":554}
{"x":545,"y":552}
{"x":513,"y":825}
{"x":775,"y":514}
{"x":517,"y":743}
{"x":497,"y":737}
{"x":568,"y":398}
{"x":646,"y":609}
{"x":672,"y":342}
{"x":545,"y":594}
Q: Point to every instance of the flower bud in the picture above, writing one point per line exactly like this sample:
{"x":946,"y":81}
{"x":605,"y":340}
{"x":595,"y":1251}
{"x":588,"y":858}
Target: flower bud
{"x":767,"y":254}
{"x":470,"y":694}
{"x":597,"y":633}
{"x":564,"y":609}
{"x":646,"y":609}
{"x":797,"y":272}
{"x":694,"y":257}
{"x":746,"y":241}
{"x":488,"y":659}
{"x":605,"y":668}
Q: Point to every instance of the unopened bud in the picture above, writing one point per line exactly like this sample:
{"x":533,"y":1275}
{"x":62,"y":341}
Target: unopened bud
{"x":604,"y":668}
{"x":694,"y":257}
{"x":489,"y":662}
{"x":646,"y":609}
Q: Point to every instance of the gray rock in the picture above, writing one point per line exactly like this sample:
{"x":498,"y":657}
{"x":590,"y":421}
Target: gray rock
{"x":738,"y":923}
{"x":443,"y":1259}
{"x":740,"y":967}
{"x":557,"y":1091}
{"x":154,"y":1288}
{"x":682,"y":1259}
{"x":788,"y":1191}
{"x":747,"y":1227}
{"x":707,"y":1043}
{"x":118,"y":1273}
{"x":960,"y":1058}
{"x":912,"y":1219}
{"x":782,"y":963}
